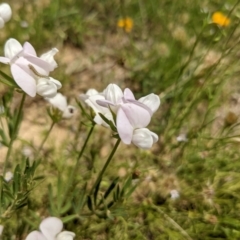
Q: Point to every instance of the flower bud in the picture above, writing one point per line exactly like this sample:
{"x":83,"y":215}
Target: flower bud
{"x":5,"y":12}
{"x":113,"y":93}
{"x":143,"y":138}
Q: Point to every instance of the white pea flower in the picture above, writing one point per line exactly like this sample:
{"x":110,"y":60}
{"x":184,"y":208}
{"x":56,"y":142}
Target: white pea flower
{"x":27,"y":68}
{"x":174,"y":194}
{"x":5,"y":14}
{"x":8,"y":176}
{"x":60,"y":102}
{"x":50,"y":229}
{"x":182,"y":138}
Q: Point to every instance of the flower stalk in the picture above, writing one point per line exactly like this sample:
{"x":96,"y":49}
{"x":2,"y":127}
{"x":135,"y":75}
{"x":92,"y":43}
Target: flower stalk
{"x":105,"y":166}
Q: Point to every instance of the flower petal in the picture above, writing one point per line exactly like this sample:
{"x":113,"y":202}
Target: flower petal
{"x":46,"y":88}
{"x":4,"y":60}
{"x":35,"y":235}
{"x":143,"y":138}
{"x":152,"y":101}
{"x":59,"y":101}
{"x":66,"y":235}
{"x":28,"y":48}
{"x":49,"y":57}
{"x":50,"y":227}
{"x":68,"y":112}
{"x":124,"y":127}
{"x":138,"y":116}
{"x":5,"y":12}
{"x":41,"y":66}
{"x":113,"y":93}
{"x":12,"y":47}
{"x":128,"y":94}
{"x":25,"y":81}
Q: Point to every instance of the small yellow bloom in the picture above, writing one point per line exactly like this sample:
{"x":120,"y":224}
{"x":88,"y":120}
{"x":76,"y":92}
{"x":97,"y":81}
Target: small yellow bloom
{"x":126,"y":24}
{"x":220,"y":19}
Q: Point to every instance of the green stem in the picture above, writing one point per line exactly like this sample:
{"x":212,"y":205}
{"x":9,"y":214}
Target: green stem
{"x":15,"y":133}
{"x":74,"y":170}
{"x":105,"y":166}
{"x":45,"y":139}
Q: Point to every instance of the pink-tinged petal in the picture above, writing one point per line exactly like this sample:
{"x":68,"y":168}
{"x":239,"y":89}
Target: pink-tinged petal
{"x":128,"y":94}
{"x":12,"y":47}
{"x":138,"y":116}
{"x":4,"y":60}
{"x":49,"y":57}
{"x":152,"y":101}
{"x":28,"y":48}
{"x":104,"y":103}
{"x":35,"y":235}
{"x":50,"y":227}
{"x":41,"y":66}
{"x":124,"y":127}
{"x":26,"y":82}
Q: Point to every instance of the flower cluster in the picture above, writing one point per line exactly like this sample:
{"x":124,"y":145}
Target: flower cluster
{"x":50,"y":229}
{"x":30,"y":72}
{"x":130,"y":116}
{"x":5,"y":14}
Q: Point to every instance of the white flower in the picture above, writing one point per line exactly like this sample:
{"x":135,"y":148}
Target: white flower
{"x":60,"y":102}
{"x":143,"y":138}
{"x":8,"y":176}
{"x":5,"y":14}
{"x":174,"y":194}
{"x":26,"y":67}
{"x":50,"y":229}
{"x":182,"y":138}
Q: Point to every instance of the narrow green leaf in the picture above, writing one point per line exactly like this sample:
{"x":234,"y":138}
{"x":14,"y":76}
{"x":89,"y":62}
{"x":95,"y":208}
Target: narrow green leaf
{"x":89,"y":203}
{"x":111,"y":187}
{"x":96,"y":192}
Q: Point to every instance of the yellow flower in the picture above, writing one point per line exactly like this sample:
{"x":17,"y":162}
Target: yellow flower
{"x":126,"y":24}
{"x":220,"y":19}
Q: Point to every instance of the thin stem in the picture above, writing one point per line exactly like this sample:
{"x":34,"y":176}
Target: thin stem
{"x":74,"y":170}
{"x":45,"y":139}
{"x":105,"y":166}
{"x":15,"y":133}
